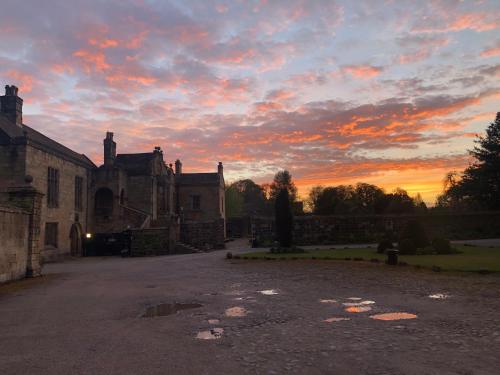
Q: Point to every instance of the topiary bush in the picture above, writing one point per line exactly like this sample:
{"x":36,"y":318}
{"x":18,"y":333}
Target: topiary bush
{"x":407,"y":247}
{"x":442,"y":246}
{"x":284,"y":218}
{"x":415,"y":232}
{"x":384,"y":245}
{"x":428,"y":250}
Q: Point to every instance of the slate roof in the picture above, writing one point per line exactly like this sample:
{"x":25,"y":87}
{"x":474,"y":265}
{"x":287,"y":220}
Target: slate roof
{"x":43,"y":142}
{"x":135,"y":164}
{"x":198,"y":179}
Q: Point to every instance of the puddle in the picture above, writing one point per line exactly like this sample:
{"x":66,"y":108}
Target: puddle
{"x":328,"y":301}
{"x":439,"y":296}
{"x":335,"y":319}
{"x":394,"y":316}
{"x":268,"y":292}
{"x":361,"y":303}
{"x":354,"y":299}
{"x":168,"y":309}
{"x":213,"y":334}
{"x":236,"y":311}
{"x":358,"y":309}
{"x":213,"y":321}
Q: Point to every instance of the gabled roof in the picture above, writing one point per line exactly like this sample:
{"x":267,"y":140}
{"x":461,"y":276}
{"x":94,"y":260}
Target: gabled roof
{"x":43,"y":142}
{"x":136,"y":164}
{"x":198,"y":178}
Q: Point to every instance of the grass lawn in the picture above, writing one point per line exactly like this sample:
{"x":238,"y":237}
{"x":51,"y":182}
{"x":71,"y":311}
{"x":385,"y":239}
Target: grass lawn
{"x":471,"y":259}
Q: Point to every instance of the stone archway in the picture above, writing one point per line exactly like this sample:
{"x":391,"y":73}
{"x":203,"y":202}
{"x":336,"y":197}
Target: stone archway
{"x":75,"y":236}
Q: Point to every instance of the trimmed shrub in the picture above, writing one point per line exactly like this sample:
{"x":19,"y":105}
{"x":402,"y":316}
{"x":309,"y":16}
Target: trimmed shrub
{"x":428,"y":250}
{"x":384,"y":245}
{"x":407,"y":247}
{"x":442,"y":246}
{"x":415,"y":232}
{"x":284,"y":218}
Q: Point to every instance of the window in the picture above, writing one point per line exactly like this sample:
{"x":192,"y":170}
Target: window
{"x":51,"y":234}
{"x":53,"y":187}
{"x":195,"y":202}
{"x":78,"y":193}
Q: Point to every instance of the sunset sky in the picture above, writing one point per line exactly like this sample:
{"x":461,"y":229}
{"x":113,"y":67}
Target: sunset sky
{"x":384,"y":92}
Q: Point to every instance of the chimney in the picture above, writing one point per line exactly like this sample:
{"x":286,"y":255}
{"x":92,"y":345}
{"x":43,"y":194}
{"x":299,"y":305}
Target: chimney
{"x":11,"y":105}
{"x":178,"y":167}
{"x":109,"y":150}
{"x":220,"y":169}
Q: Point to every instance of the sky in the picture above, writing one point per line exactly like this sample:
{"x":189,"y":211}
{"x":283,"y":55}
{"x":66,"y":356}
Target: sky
{"x":391,"y":93}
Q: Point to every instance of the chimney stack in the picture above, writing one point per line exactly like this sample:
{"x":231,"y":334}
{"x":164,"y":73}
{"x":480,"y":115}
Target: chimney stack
{"x":178,"y":167}
{"x":220,"y":169}
{"x":109,"y":150}
{"x":11,"y":105}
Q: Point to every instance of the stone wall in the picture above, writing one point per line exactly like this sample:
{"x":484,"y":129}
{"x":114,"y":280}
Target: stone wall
{"x":313,"y":230}
{"x":152,"y":241}
{"x":204,"y":235}
{"x":13,"y":243}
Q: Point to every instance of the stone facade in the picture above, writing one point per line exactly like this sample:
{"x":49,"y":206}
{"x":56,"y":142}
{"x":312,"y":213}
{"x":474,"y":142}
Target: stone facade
{"x":129,"y":191}
{"x":14,"y":240}
{"x":20,"y":219}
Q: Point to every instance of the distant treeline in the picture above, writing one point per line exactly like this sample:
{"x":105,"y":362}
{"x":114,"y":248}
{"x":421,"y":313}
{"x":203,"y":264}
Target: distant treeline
{"x":246,"y":198}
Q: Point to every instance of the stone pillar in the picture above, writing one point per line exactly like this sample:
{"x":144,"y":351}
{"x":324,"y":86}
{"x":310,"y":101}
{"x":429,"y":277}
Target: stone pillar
{"x":30,"y":199}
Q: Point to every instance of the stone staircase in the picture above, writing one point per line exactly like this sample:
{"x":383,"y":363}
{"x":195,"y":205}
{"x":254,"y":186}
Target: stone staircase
{"x":183,"y":248}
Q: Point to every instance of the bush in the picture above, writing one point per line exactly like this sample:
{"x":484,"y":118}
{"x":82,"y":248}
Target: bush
{"x":384,"y":245}
{"x":287,"y":250}
{"x":442,"y":246}
{"x":415,"y":232}
{"x":428,"y":250}
{"x":407,"y":247}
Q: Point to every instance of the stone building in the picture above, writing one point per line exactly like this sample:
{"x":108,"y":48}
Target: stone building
{"x":129,"y":191}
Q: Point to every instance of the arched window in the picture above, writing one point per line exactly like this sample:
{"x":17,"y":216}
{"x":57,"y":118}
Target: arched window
{"x":103,"y":202}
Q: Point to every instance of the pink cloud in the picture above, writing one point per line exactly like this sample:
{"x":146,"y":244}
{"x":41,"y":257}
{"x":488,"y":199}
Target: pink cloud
{"x":492,"y":51}
{"x":362,"y":71}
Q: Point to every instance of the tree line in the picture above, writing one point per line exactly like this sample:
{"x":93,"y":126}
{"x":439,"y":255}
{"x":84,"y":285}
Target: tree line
{"x":246,"y":198}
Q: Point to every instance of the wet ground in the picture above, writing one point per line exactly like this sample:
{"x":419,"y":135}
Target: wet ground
{"x":143,"y":316}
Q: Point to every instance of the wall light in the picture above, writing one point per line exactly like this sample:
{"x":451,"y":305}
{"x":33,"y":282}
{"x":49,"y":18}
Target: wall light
{"x":88,"y":235}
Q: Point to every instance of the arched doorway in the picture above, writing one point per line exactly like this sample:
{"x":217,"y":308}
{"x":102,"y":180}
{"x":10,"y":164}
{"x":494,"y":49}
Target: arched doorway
{"x":75,"y":236}
{"x":104,"y":202}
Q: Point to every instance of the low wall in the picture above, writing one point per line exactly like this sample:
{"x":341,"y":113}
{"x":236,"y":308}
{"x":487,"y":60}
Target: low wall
{"x":205,"y":235}
{"x":312,"y":230}
{"x":152,"y":241}
{"x":14,"y":224}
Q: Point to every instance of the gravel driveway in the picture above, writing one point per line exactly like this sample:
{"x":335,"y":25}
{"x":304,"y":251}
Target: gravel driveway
{"x":86,"y":318}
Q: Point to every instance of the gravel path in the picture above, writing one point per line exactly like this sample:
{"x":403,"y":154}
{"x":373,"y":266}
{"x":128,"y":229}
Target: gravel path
{"x":86,"y":319}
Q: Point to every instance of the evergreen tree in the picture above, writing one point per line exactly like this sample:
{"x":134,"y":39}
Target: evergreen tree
{"x":284,"y":218}
{"x":481,"y":181}
{"x":479,"y":186}
{"x":283,"y":180}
